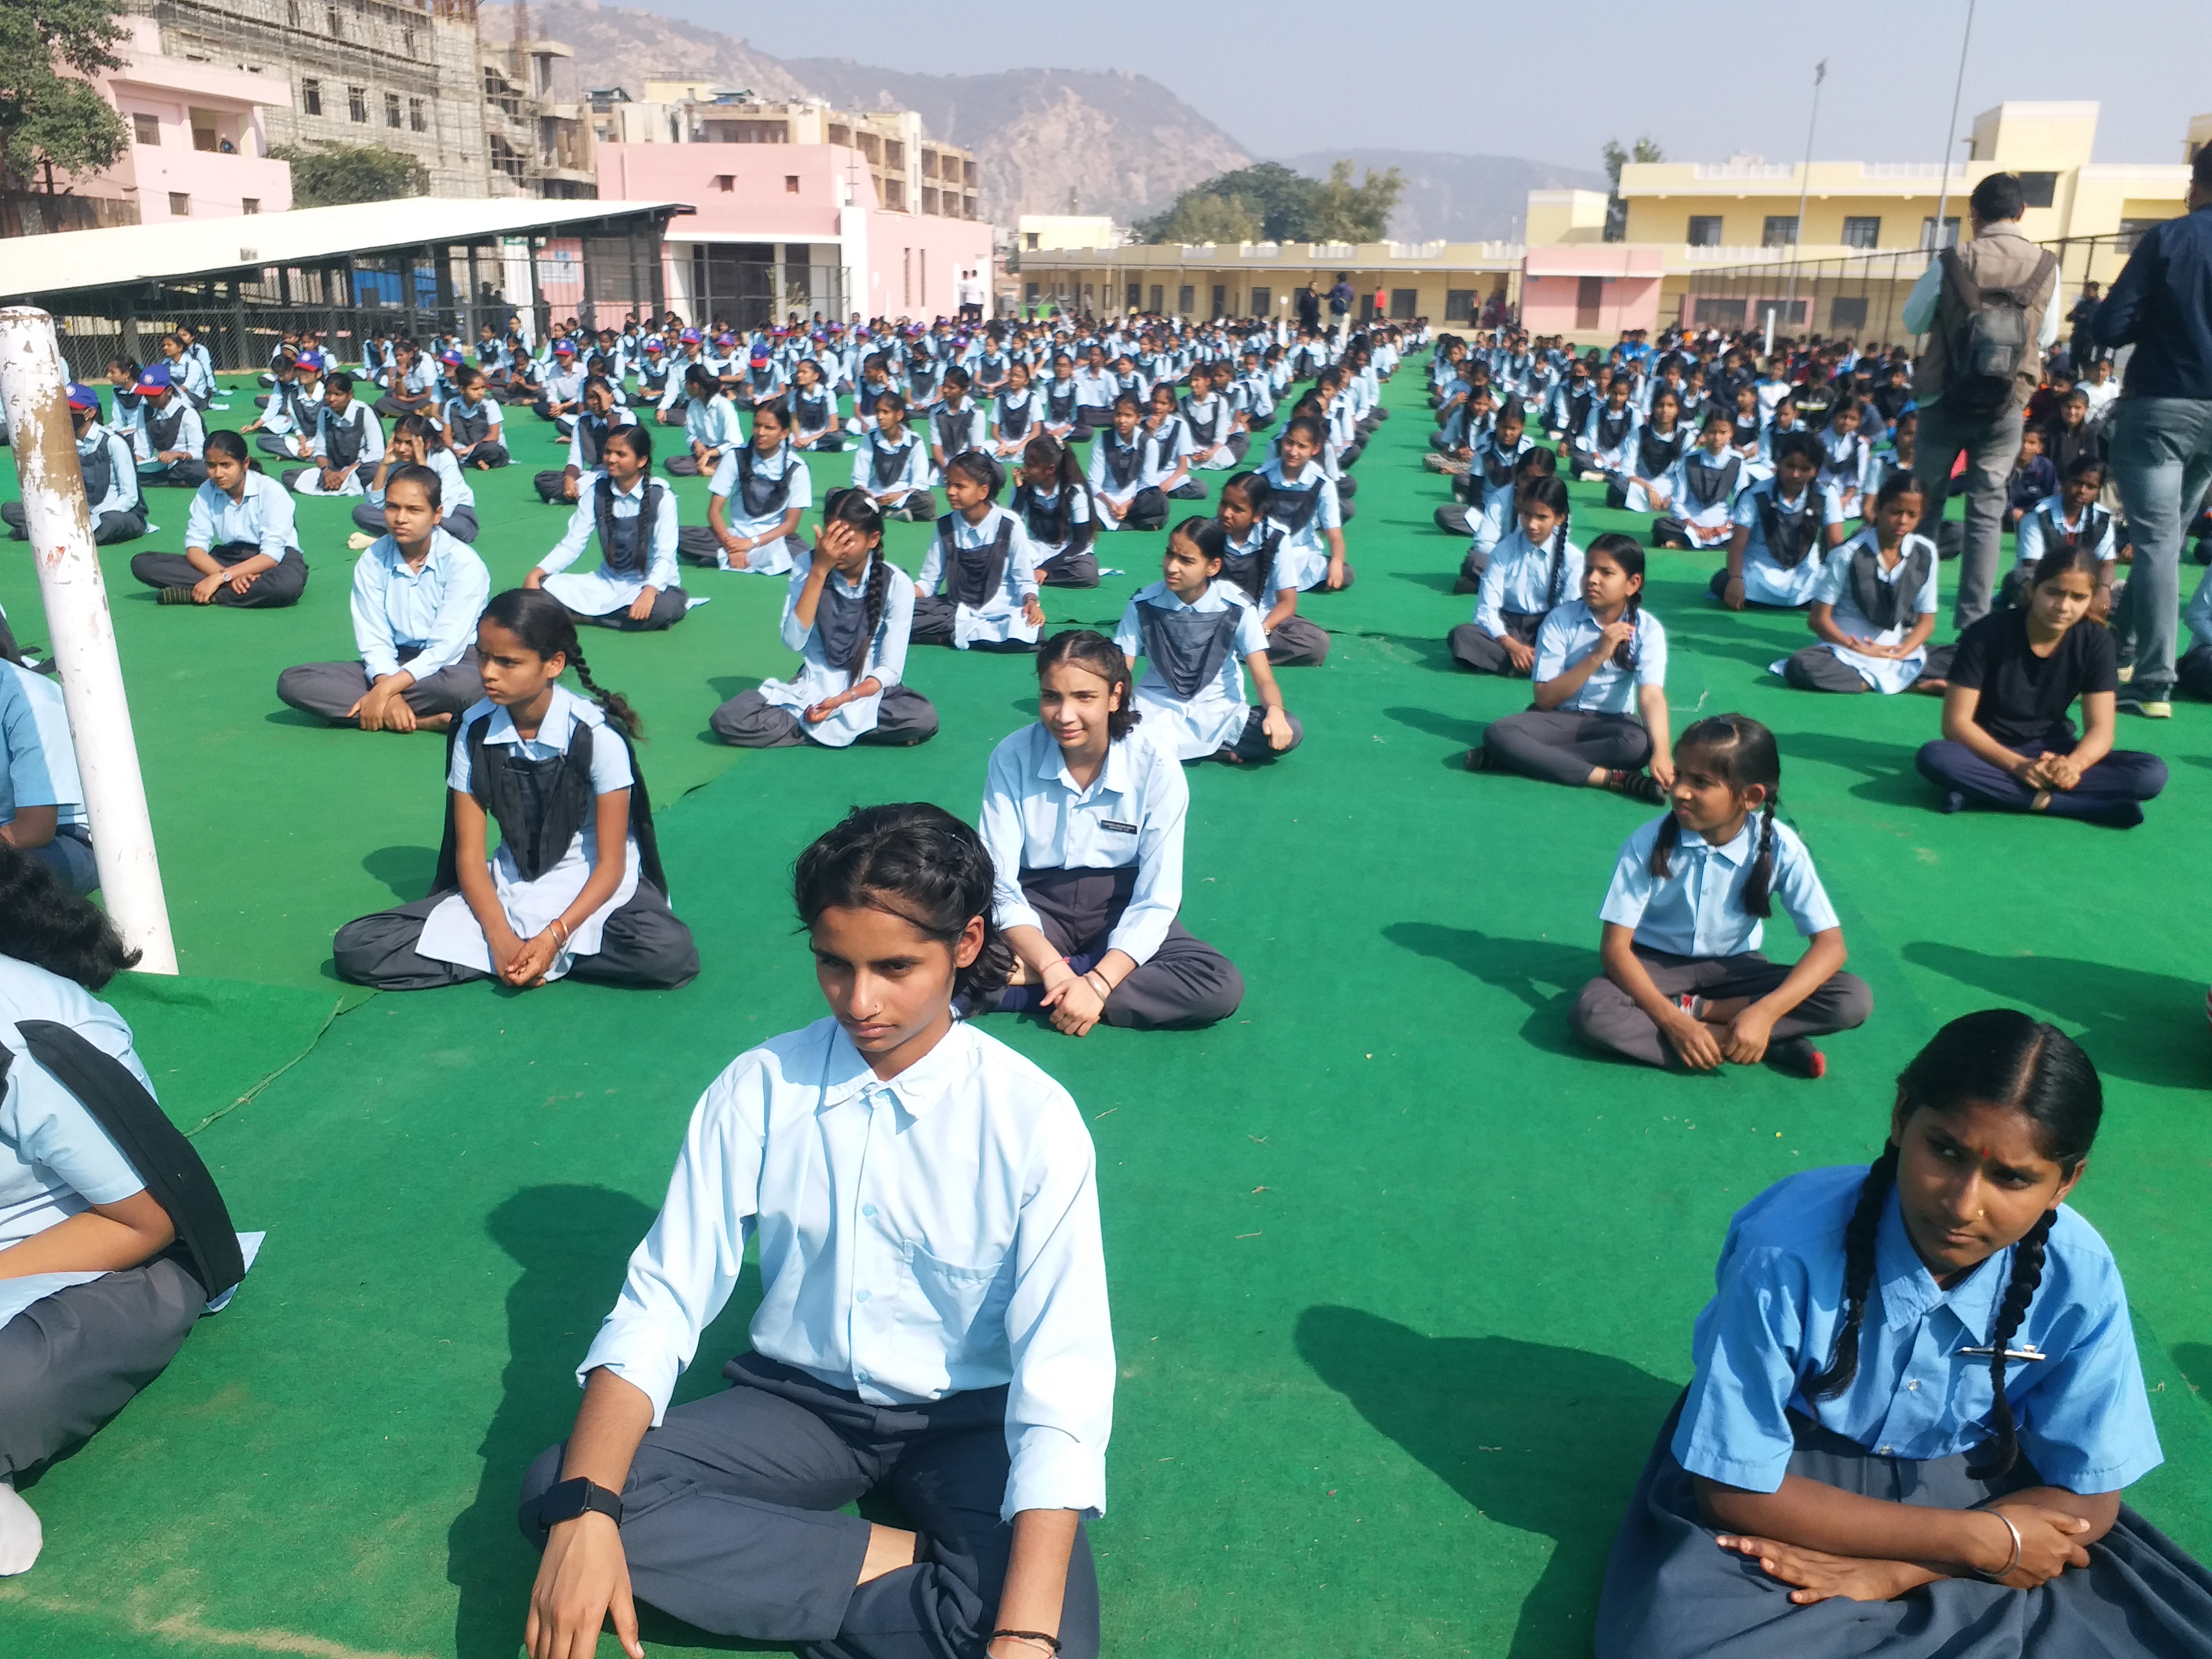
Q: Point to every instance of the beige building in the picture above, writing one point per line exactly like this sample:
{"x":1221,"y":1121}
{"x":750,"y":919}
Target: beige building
{"x":1053,"y":233}
{"x":1449,"y":281}
{"x":912,"y":173}
{"x":1706,"y":230}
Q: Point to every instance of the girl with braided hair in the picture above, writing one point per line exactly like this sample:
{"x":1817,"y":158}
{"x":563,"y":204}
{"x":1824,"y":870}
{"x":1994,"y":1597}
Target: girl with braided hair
{"x":1529,"y":574}
{"x":849,"y":614}
{"x":1601,"y":662}
{"x":945,"y":1344}
{"x":576,"y":886}
{"x":1917,"y":1396}
{"x":1684,"y":980}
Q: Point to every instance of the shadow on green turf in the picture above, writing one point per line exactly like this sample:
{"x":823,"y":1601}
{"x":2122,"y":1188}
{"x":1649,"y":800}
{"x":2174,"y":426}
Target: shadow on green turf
{"x":1544,"y":1439}
{"x":1541,"y":973}
{"x":573,"y":1245}
{"x":1461,"y":734}
{"x":2194,"y":1361}
{"x":1892,"y":779}
{"x":2138,"y":1026}
{"x":407,"y":870}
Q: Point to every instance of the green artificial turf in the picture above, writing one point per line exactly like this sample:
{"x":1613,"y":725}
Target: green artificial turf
{"x":1402,"y":1281}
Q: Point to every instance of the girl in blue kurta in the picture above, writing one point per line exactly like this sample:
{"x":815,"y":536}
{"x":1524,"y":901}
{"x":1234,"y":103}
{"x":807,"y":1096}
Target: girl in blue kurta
{"x":1916,"y":1399}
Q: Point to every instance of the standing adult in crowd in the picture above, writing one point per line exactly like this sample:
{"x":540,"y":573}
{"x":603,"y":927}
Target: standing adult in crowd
{"x":1309,"y":307}
{"x":2081,"y":341}
{"x":2162,"y":427}
{"x":1340,"y":306}
{"x":1958,"y":304}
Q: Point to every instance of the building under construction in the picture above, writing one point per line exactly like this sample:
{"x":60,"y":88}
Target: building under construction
{"x":408,"y":74}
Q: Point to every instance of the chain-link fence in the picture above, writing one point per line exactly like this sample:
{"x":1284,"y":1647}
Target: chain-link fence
{"x":1862,"y":296}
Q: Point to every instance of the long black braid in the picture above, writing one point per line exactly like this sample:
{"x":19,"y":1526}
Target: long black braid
{"x":1758,"y":897}
{"x":613,"y":704}
{"x":2002,"y":1450}
{"x":879,"y":587}
{"x":1858,"y":1276}
{"x":543,"y":623}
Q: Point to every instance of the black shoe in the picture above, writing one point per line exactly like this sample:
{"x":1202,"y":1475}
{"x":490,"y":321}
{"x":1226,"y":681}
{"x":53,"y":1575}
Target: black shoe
{"x":1798,"y":1057}
{"x":1637,"y":785}
{"x":1476,"y":759}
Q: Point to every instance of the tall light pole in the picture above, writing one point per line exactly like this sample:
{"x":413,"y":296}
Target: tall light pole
{"x":1951,"y":137}
{"x":1804,"y":190}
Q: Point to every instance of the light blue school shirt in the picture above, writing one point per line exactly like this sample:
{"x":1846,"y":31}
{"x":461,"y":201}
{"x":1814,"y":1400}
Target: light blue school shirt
{"x":2080,"y":1413}
{"x":1520,"y":577}
{"x":55,"y":1159}
{"x":1035,"y":817}
{"x":26,"y":780}
{"x":426,"y":615}
{"x":263,"y":515}
{"x":1696,"y":909}
{"x":563,"y":715}
{"x":1568,"y":635}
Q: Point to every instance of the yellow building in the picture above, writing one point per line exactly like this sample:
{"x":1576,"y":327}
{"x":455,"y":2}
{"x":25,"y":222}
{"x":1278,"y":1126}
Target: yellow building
{"x":1444,"y":282}
{"x":1716,"y":226}
{"x":1053,"y":233}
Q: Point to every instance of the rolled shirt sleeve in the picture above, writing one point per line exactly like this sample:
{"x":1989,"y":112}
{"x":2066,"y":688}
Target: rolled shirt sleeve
{"x":1633,"y":885}
{"x":1735,"y":1426}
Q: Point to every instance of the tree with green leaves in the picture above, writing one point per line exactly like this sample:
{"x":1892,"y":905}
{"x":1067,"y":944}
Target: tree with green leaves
{"x":1346,"y":212}
{"x":1270,"y":202}
{"x":1646,"y":150}
{"x":53,"y":119}
{"x":332,"y":175}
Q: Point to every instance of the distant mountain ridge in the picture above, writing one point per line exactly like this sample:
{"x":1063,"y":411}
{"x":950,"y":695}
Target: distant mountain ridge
{"x":1046,"y":140}
{"x":1453,"y":197}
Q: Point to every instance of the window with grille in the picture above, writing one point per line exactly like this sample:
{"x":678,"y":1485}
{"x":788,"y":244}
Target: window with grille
{"x":391,"y":109}
{"x":146,"y":129}
{"x":311,"y":97}
{"x":1781,"y":231}
{"x":356,"y":103}
{"x":180,"y":205}
{"x":417,"y":121}
{"x":1459,"y":305}
{"x":1863,"y":232}
{"x":1704,"y":230}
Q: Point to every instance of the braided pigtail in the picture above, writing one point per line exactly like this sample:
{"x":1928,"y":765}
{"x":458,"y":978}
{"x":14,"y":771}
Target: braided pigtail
{"x":615,"y":705}
{"x":1560,"y":551}
{"x":879,"y":587}
{"x":1662,"y":846}
{"x":2002,"y":1451}
{"x":1757,"y":896}
{"x":1624,"y":655}
{"x":1858,"y":1276}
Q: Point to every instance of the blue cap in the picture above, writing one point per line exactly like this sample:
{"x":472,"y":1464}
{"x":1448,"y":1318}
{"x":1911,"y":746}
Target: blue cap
{"x":82,"y":398}
{"x":156,"y":379}
{"x":311,"y":360}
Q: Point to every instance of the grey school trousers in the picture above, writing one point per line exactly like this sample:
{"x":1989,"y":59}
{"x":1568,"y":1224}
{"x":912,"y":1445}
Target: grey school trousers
{"x":1606,"y":1016}
{"x":1297,"y":643}
{"x":282,"y":584}
{"x":71,"y":1361}
{"x":732,"y":1519}
{"x":748,"y":720}
{"x":112,"y":527}
{"x":1184,"y":984}
{"x":641,"y":944}
{"x":1560,"y":746}
{"x":332,"y":688}
{"x":1991,"y":444}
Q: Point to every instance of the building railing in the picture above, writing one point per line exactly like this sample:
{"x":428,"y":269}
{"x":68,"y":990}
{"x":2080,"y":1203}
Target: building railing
{"x":1863,"y":296}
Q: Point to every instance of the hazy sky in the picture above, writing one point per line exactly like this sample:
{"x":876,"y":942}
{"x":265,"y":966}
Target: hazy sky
{"x":1456,"y":77}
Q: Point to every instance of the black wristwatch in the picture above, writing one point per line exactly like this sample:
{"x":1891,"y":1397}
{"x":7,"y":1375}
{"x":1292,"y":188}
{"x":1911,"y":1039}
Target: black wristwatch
{"x":571,"y":1498}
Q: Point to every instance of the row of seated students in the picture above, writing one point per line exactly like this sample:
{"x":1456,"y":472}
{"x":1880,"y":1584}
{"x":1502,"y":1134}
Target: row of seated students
{"x":1803,"y":1475}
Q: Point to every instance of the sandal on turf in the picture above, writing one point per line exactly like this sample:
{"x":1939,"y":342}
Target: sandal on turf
{"x":1797,"y":1057}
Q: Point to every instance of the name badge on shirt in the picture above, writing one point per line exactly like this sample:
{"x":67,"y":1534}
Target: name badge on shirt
{"x":1124,"y":828}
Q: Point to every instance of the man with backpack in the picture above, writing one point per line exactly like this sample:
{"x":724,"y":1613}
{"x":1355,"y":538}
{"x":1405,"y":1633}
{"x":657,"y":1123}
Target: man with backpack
{"x":1986,"y":310}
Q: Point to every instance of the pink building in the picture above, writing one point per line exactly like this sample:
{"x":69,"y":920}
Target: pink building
{"x":1591,"y":290}
{"x":784,"y":227}
{"x":197,"y":149}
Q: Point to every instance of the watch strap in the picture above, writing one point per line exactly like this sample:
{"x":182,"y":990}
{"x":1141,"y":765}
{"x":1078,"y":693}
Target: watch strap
{"x":570,"y":1498}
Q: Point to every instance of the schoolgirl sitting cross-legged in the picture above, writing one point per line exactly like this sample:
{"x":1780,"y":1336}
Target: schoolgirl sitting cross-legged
{"x":417,"y":593}
{"x":891,"y":462}
{"x":1784,"y":526}
{"x":978,"y":586}
{"x":848,"y":612}
{"x":632,"y":516}
{"x":1684,"y":981}
{"x":2008,"y":743}
{"x":1875,"y":607}
{"x":1054,"y":504}
{"x":1917,"y":1404}
{"x":1083,"y":814}
{"x":934,"y":1327}
{"x":1197,"y":637}
{"x":576,"y":886}
{"x":1601,"y":660}
{"x":1124,"y":489}
{"x":1257,"y":563}
{"x":1499,"y":517}
{"x":753,"y":505}
{"x":1528,"y":575}
{"x":241,"y":539}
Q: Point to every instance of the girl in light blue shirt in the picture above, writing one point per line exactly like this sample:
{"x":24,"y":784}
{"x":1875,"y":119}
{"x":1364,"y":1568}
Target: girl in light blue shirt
{"x":1916,"y":1399}
{"x":1601,"y":660}
{"x":1684,"y":981}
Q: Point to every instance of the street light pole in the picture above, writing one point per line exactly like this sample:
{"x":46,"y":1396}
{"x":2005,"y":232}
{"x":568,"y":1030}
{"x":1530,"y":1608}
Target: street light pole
{"x":1950,"y":138}
{"x":1804,"y":190}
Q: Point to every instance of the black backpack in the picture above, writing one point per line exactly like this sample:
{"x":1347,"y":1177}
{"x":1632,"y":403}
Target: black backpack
{"x":1986,"y":352}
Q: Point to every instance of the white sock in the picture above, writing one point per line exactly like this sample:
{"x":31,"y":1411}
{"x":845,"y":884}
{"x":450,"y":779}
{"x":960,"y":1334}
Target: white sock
{"x":20,"y":1536}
